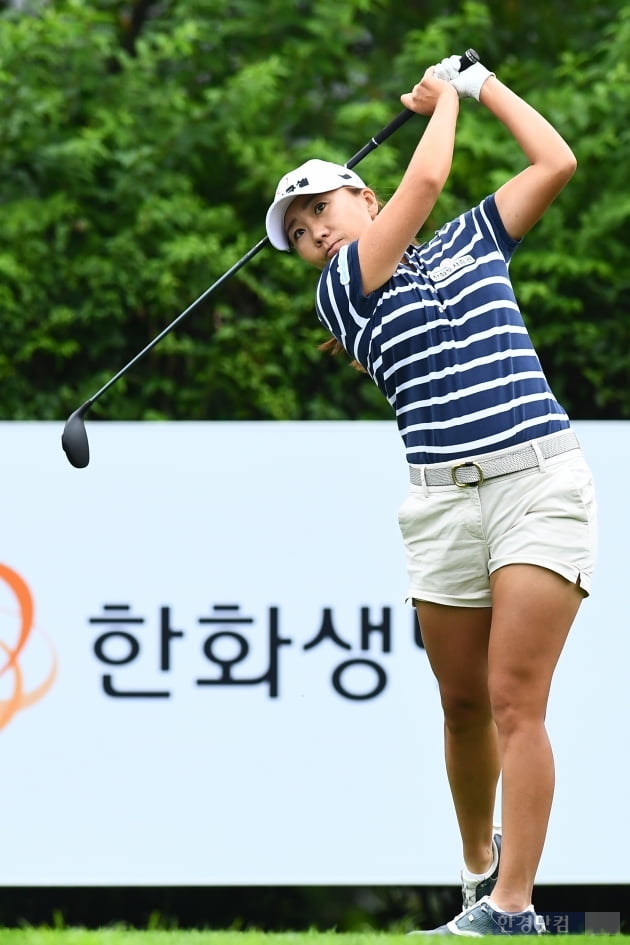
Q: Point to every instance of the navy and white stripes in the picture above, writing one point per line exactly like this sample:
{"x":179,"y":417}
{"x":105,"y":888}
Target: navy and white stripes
{"x":445,"y":342}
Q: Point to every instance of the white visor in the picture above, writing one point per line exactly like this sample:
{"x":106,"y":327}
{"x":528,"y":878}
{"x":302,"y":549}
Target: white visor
{"x":313,"y":177}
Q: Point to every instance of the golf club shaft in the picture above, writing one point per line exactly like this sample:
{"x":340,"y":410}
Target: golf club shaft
{"x":469,"y":57}
{"x":467,"y":60}
{"x":382,"y":135}
{"x":378,"y":138}
{"x":193,"y":305}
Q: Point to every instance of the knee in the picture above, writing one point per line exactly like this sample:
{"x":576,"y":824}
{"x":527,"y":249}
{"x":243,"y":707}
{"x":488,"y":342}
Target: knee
{"x":515,"y":703}
{"x":465,"y":712}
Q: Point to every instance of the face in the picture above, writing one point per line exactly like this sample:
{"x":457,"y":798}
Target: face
{"x":318,"y":225}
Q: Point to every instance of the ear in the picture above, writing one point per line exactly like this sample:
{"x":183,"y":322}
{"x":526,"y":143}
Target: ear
{"x":371,"y":200}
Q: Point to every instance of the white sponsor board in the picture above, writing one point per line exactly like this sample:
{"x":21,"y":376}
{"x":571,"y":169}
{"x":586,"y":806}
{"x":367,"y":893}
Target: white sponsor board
{"x":219,"y":682}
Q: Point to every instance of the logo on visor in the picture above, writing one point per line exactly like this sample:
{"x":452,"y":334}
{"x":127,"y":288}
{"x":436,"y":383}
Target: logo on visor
{"x":297,"y":186}
{"x":286,"y":189}
{"x":28,"y":662}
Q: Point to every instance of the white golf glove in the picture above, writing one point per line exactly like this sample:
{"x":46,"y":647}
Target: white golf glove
{"x":447,"y":69}
{"x":467,"y":83}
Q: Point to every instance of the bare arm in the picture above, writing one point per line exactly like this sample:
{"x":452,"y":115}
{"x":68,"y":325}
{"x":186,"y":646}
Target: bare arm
{"x":384,"y":242}
{"x":522,"y":200}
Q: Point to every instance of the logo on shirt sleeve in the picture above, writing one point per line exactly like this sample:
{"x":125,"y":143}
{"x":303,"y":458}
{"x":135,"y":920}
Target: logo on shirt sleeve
{"x":342,"y":266}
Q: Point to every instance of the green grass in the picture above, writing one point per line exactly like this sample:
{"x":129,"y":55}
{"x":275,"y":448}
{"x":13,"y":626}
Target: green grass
{"x":116,"y":936}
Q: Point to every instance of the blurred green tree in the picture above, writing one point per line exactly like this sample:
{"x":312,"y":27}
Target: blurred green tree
{"x":140,"y":144}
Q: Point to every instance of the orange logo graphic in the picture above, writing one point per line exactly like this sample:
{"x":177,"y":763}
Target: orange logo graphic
{"x":13,"y":692}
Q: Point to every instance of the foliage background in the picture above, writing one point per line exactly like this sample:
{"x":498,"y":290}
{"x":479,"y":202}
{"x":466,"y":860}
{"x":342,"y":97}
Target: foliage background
{"x":140,"y":144}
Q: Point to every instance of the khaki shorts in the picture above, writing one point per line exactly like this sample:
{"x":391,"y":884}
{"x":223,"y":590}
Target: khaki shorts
{"x":456,"y":537}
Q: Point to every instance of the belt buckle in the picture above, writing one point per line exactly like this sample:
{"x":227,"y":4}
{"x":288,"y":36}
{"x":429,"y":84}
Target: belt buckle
{"x":464,"y":485}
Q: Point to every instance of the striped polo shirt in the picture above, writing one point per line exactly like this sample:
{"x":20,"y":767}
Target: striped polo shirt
{"x":445,"y":341}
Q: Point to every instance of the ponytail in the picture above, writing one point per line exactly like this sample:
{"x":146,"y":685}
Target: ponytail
{"x":334,"y":347}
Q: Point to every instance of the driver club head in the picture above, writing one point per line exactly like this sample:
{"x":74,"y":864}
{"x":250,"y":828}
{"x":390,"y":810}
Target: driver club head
{"x":74,"y":438}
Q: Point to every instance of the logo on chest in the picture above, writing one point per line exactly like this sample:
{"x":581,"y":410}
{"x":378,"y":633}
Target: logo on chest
{"x":449,"y":266}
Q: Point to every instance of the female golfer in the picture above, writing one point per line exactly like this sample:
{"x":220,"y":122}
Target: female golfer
{"x":499,"y":523}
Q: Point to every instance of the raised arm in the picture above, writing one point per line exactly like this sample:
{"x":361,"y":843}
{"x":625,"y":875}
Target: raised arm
{"x":384,"y":242}
{"x":522,"y":200}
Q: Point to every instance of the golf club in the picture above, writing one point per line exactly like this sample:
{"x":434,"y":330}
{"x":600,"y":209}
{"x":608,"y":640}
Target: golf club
{"x":74,"y":438}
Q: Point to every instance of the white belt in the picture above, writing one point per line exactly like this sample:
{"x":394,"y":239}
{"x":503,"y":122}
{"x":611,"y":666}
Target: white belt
{"x":475,"y":472}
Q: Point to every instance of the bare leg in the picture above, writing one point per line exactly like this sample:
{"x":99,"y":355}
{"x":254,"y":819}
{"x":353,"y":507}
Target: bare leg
{"x":533,"y":610}
{"x":456,"y":642}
